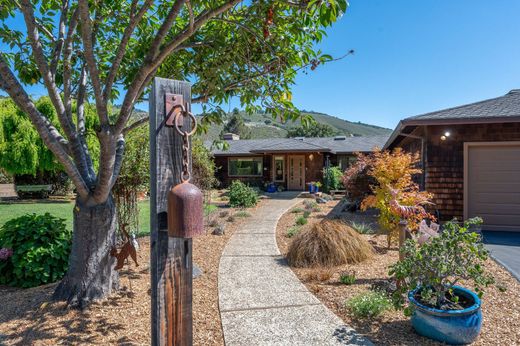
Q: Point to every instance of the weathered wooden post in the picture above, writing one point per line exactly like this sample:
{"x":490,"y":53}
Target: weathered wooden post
{"x":402,"y":237}
{"x":171,"y":256}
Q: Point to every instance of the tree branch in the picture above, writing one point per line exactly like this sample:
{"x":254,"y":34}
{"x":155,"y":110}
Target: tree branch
{"x":88,"y":45}
{"x":61,"y":38}
{"x":120,"y":53}
{"x":164,"y":29}
{"x":48,"y":133}
{"x":136,"y":124}
{"x":120,"y":150}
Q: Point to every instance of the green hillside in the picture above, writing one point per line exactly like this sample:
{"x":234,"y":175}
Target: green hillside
{"x":264,"y":126}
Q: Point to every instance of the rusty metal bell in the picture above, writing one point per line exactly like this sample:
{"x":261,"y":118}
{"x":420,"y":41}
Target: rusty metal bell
{"x":185,"y":211}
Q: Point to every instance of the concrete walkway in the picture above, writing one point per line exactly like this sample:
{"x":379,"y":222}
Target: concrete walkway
{"x":261,"y":301}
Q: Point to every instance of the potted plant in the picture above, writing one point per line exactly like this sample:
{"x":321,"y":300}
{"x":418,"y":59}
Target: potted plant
{"x":428,"y":276}
{"x":317,"y":186}
{"x":311,"y":186}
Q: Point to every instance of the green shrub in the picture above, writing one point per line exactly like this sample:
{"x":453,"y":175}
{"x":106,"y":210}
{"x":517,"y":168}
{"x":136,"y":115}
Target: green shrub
{"x":40,"y":247}
{"x":291,"y":232}
{"x":300,"y":221}
{"x":209,"y":208}
{"x":369,"y":304}
{"x":332,"y":178}
{"x":297,"y":210}
{"x":306,"y":214}
{"x":362,"y":228}
{"x":347,"y":278}
{"x":242,"y":213}
{"x":241,"y":195}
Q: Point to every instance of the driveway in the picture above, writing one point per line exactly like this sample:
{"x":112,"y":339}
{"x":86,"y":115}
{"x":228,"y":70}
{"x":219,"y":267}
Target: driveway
{"x":505,"y":249}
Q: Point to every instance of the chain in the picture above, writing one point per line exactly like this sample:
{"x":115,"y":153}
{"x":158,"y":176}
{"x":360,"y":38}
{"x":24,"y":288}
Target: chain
{"x":185,"y":173}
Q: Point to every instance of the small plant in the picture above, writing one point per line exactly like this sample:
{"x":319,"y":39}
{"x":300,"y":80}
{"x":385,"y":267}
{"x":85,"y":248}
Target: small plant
{"x":35,"y":250}
{"x":213,"y":222}
{"x":209,"y":208}
{"x":369,"y":304}
{"x":362,"y":228}
{"x":310,"y":204}
{"x":241,"y":195}
{"x":242,"y":213}
{"x":318,"y":184}
{"x":347,"y":278}
{"x":300,"y":221}
{"x":297,"y":210}
{"x":306,"y":214}
{"x":219,"y":229}
{"x":437,"y":265}
{"x":291,"y":232}
{"x":223,"y":213}
{"x":231,"y":218}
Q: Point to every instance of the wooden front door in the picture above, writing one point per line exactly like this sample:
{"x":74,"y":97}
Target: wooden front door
{"x":296,"y":179}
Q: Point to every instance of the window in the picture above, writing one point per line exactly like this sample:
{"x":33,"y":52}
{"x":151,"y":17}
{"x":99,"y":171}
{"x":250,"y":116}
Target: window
{"x":345,"y":161}
{"x":279,"y":168}
{"x":245,"y":166}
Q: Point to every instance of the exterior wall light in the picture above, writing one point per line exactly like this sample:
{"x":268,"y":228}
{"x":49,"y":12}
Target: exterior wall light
{"x":445,"y":136}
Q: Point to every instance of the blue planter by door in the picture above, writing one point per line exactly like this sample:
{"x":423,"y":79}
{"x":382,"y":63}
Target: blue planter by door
{"x":455,"y":327}
{"x":311,"y":188}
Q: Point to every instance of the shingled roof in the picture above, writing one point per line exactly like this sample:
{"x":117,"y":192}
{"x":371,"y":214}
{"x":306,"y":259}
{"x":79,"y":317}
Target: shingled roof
{"x":333,"y":145}
{"x":505,"y":108}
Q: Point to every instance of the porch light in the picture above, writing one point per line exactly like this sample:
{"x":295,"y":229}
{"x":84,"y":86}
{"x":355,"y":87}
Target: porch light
{"x":445,"y":136}
{"x":311,"y":157}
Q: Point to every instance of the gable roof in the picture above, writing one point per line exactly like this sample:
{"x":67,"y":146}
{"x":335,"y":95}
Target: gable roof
{"x":505,"y":108}
{"x":277,"y":145}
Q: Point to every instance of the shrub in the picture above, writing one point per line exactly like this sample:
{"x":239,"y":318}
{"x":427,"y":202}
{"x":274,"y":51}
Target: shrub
{"x":203,"y":166}
{"x":347,"y":278}
{"x":357,"y":181}
{"x":332,"y":178}
{"x":300,"y":221}
{"x":242,"y":213}
{"x":297,"y":210}
{"x":40,"y":246}
{"x":362,"y":228}
{"x":291,"y":232}
{"x":213,"y":223}
{"x":241,"y":195}
{"x":328,"y":243}
{"x":369,"y":304}
{"x":306,"y":214}
{"x":453,"y":255}
{"x":231,"y":218}
{"x":209,"y":208}
{"x":310,"y":204}
{"x":224,"y":213}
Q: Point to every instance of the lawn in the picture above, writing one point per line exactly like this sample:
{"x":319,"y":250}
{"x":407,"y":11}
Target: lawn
{"x":63,"y":210}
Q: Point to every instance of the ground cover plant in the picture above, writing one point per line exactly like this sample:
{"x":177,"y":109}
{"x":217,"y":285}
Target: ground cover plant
{"x":328,"y":243}
{"x":35,"y":250}
{"x":369,"y":304}
{"x":347,"y":278}
{"x":301,"y":220}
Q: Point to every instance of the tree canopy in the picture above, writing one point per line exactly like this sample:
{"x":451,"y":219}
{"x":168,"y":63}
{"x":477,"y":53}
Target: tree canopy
{"x":236,"y":125}
{"x":312,"y":130}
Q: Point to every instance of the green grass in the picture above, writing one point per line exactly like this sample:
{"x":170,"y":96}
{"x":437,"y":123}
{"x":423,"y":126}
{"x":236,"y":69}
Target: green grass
{"x":63,"y":210}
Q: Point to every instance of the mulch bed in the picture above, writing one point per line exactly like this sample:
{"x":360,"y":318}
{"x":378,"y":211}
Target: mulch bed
{"x":30,"y":317}
{"x":501,"y":310}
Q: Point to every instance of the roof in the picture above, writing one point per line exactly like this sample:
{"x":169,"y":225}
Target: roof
{"x":505,"y":108}
{"x":277,"y":145}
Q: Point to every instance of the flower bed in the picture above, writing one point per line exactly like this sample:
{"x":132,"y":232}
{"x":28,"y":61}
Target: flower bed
{"x":501,"y":310}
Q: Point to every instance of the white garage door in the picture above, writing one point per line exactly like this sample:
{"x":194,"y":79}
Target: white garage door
{"x":493,"y":185}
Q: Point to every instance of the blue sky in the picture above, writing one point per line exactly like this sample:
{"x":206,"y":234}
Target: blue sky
{"x":412,"y":57}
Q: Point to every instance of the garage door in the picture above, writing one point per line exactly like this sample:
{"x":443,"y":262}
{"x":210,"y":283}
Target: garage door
{"x":493,"y":182}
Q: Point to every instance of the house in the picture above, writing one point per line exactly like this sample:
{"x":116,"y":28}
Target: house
{"x":289,"y":162}
{"x":471,"y":159}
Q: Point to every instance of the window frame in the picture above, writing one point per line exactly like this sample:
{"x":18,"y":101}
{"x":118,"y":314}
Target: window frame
{"x":275,"y":157}
{"x":243,"y":158}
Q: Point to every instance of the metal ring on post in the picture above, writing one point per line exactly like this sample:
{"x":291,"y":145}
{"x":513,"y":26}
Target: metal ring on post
{"x":184,"y":112}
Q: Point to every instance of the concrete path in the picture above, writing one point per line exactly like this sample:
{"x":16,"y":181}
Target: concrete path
{"x":504,"y":247}
{"x":261,"y":301}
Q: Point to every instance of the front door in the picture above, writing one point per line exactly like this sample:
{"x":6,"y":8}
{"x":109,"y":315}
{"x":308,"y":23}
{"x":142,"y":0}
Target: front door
{"x":296,"y":172}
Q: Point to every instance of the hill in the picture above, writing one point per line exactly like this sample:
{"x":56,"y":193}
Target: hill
{"x":264,"y":126}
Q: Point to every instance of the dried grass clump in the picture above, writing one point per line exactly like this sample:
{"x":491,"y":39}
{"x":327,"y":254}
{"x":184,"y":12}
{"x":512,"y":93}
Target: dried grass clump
{"x":326,"y":244}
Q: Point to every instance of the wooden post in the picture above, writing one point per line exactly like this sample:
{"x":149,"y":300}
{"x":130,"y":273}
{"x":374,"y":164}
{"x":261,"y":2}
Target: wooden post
{"x":402,"y":237}
{"x":170,"y":261}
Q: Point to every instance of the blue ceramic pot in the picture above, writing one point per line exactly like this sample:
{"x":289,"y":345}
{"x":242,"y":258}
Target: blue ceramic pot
{"x":456,"y":327}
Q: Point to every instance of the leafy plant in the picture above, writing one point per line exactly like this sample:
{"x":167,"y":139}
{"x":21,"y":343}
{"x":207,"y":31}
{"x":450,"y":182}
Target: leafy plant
{"x":300,"y":221}
{"x":292,"y":231}
{"x":39,"y":245}
{"x":242,"y":213}
{"x":203,"y":166}
{"x":332,"y":178}
{"x":369,"y":304}
{"x":395,"y":188}
{"x":310,"y":205}
{"x":347,"y":278}
{"x":241,"y":195}
{"x":209,"y":208}
{"x":362,"y":228}
{"x":306,"y":214}
{"x":436,"y":266}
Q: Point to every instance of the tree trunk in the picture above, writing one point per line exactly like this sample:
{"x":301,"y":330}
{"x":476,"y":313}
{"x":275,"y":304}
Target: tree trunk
{"x":91,"y":273}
